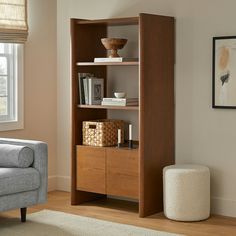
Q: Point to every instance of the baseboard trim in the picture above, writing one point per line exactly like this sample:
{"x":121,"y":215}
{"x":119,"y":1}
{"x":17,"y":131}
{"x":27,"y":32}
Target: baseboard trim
{"x":63,"y":183}
{"x":56,"y":182}
{"x":223,"y":206}
{"x":52,"y":183}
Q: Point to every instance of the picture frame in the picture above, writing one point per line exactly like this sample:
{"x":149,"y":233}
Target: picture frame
{"x":96,"y":90}
{"x":224,"y":72}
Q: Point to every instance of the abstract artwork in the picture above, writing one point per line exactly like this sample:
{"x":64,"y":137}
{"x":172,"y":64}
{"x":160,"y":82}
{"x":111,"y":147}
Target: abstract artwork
{"x":224,"y":72}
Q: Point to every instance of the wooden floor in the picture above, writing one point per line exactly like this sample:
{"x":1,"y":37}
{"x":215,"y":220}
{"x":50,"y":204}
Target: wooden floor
{"x":126,"y":212}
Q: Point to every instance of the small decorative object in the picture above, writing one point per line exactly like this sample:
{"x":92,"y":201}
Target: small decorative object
{"x":224,"y":72}
{"x":130,"y":136}
{"x":95,"y":91}
{"x":91,"y":89}
{"x":119,"y":138}
{"x":102,"y":133}
{"x":113,"y":44}
{"x":120,"y":95}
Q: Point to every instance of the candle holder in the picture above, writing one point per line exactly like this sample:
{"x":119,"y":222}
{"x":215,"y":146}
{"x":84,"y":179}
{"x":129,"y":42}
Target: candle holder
{"x":119,"y":138}
{"x":130,"y":144}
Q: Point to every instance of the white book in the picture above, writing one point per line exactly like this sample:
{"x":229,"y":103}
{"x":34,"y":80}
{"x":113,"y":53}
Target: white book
{"x":126,"y":103}
{"x":81,"y":77}
{"x":120,"y":99}
{"x":114,"y":59}
{"x":95,"y":91}
{"x":112,"y":104}
{"x":109,"y":103}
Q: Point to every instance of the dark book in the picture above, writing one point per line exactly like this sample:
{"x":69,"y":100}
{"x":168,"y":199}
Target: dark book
{"x":81,"y":77}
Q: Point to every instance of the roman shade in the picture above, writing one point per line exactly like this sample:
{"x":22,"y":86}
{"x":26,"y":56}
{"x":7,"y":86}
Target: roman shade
{"x":13,"y":21}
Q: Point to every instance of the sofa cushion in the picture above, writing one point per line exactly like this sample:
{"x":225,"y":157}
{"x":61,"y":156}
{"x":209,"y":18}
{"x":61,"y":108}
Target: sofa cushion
{"x":15,"y":156}
{"x":16,"y":180}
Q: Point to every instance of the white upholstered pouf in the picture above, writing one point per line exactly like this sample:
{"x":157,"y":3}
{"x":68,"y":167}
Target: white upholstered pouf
{"x":186,"y":192}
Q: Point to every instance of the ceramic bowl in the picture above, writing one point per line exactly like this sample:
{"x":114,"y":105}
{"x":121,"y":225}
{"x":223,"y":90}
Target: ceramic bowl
{"x":120,"y":95}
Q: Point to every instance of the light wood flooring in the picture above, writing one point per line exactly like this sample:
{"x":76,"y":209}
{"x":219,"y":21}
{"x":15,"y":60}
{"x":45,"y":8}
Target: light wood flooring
{"x":126,"y":212}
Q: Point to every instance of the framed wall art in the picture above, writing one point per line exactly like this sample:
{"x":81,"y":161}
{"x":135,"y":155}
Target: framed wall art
{"x":224,"y":72}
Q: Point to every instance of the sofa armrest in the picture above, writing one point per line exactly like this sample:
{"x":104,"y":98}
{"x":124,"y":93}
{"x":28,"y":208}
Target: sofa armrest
{"x":40,"y":162}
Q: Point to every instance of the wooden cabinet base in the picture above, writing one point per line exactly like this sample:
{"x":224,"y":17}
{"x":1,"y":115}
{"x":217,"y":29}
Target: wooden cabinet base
{"x":91,"y":169}
{"x":108,"y":171}
{"x":122,"y":173}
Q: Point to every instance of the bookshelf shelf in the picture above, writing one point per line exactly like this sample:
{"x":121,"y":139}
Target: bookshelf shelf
{"x":127,"y":63}
{"x":130,"y":108}
{"x":110,"y":22}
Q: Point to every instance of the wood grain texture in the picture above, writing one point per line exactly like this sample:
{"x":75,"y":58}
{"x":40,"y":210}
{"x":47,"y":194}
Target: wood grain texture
{"x":156,"y":107}
{"x":112,"y":21}
{"x":91,"y":169}
{"x":85,"y":40}
{"x":122,"y":172}
{"x":127,"y":213}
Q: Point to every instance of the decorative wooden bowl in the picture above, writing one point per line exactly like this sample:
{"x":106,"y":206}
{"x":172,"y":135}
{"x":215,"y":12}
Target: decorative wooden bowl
{"x":113,"y":44}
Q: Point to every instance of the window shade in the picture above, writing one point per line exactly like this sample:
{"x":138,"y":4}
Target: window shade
{"x":13,"y":21}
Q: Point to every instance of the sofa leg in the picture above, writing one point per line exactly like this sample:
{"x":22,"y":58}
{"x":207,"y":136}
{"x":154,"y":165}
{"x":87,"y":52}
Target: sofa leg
{"x":23,"y":214}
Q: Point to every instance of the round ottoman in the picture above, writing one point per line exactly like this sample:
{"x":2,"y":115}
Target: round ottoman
{"x":186,"y":192}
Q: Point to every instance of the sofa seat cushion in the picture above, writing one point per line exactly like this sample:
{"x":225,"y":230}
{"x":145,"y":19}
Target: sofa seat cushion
{"x":16,"y":180}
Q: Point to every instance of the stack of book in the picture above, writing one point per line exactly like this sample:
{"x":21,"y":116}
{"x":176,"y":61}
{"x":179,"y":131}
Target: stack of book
{"x":91,"y":89}
{"x":120,"y":102}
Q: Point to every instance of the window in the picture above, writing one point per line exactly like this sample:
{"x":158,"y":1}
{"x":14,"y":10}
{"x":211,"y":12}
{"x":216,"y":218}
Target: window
{"x":13,"y":35}
{"x":11,"y":81}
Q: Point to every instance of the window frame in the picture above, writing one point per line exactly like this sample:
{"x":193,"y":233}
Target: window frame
{"x":17,"y":122}
{"x":11,"y":60}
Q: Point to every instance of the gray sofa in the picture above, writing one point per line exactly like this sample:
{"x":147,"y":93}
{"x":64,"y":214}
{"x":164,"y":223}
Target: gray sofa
{"x":27,"y":186}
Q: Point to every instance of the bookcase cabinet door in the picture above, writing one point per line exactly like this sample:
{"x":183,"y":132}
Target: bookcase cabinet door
{"x":122,"y":173}
{"x":91,"y":169}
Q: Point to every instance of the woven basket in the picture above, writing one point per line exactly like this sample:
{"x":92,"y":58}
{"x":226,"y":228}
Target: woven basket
{"x":102,"y":133}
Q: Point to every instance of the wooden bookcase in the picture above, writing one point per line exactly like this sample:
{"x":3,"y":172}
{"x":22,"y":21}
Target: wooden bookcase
{"x":136,"y":173}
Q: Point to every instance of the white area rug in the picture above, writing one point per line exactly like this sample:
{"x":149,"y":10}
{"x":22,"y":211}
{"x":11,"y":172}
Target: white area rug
{"x":52,"y":223}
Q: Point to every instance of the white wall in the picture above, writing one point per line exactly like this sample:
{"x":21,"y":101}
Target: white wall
{"x":40,"y":81}
{"x":203,"y":135}
{"x":125,"y":78}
